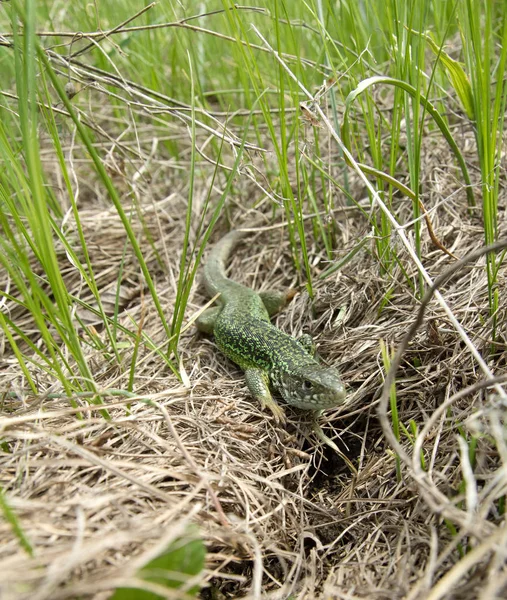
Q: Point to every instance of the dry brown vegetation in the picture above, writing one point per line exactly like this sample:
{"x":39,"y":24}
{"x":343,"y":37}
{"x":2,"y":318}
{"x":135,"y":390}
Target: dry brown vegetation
{"x":281,"y":515}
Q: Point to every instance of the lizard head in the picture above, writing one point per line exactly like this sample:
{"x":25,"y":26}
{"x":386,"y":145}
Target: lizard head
{"x":313,"y":387}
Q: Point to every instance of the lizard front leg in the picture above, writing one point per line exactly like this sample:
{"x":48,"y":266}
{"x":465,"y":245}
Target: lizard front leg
{"x":308,"y":344}
{"x":258,"y":384}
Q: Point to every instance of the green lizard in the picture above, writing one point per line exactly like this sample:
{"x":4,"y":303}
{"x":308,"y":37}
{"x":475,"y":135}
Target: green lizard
{"x":243,"y":331}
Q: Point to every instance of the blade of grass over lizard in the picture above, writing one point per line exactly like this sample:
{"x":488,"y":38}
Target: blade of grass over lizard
{"x":189,"y":270}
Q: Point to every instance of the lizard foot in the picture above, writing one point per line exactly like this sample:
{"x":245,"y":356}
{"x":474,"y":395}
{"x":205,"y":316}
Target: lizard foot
{"x":258,"y":383}
{"x":277,"y":410}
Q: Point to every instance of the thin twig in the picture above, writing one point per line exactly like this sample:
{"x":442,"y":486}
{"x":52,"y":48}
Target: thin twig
{"x":103,"y":34}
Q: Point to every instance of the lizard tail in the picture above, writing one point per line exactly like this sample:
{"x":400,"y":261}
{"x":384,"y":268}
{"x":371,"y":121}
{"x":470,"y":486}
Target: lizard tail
{"x":214,"y":269}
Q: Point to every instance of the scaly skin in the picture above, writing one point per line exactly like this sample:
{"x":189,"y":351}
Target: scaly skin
{"x":244,"y":333}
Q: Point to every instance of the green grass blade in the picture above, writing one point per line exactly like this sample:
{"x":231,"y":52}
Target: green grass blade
{"x":428,"y":106}
{"x":13,"y":521}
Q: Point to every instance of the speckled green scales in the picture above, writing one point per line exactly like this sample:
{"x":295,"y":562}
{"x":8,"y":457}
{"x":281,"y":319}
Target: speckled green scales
{"x":244,"y":333}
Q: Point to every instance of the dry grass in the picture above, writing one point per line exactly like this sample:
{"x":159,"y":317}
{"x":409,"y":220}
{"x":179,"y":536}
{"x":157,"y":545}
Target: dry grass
{"x":281,"y":515}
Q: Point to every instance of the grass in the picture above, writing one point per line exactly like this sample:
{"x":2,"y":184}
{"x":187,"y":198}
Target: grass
{"x":369,"y":135}
{"x":386,"y":359}
{"x":486,"y":32}
{"x":11,"y":518}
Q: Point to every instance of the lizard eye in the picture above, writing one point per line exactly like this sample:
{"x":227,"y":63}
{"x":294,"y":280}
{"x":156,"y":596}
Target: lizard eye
{"x":307,"y":385}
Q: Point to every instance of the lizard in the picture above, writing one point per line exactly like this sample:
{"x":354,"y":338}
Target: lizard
{"x":269,"y":357}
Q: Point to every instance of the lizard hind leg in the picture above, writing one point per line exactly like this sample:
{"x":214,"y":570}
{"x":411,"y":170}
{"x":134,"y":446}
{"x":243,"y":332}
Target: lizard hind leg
{"x":258,"y":384}
{"x":274,"y":300}
{"x":206,"y":321}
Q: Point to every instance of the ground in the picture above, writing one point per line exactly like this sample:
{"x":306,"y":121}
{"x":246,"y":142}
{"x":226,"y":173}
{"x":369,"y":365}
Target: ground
{"x":282,"y":516}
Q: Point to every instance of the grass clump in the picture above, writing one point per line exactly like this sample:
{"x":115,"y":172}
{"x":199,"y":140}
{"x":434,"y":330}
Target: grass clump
{"x":362,"y":143}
